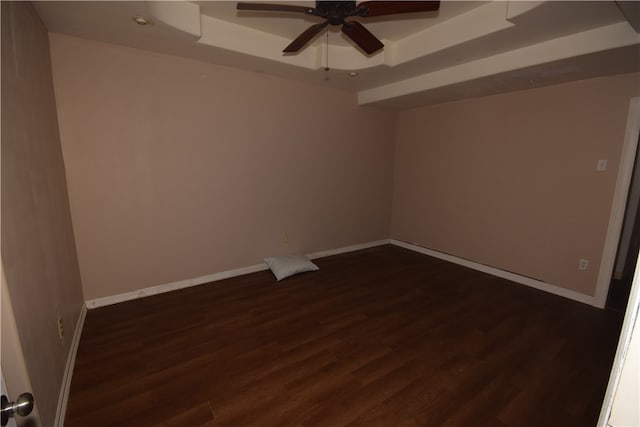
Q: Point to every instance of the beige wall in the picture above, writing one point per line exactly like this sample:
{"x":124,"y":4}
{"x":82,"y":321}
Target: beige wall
{"x":178,"y":168}
{"x":510,"y":181}
{"x":38,"y":250}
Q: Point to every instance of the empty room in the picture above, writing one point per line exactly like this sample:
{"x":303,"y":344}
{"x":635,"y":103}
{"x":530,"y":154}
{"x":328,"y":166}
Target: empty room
{"x":307,"y":214}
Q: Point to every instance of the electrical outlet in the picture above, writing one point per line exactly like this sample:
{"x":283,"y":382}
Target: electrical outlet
{"x":583,"y":264}
{"x":60,"y":328}
{"x":285,"y":239}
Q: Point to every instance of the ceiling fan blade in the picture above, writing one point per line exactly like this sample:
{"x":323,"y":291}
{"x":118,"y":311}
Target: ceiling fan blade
{"x":305,"y":37}
{"x":270,"y":7}
{"x":379,"y":8}
{"x":362,"y":37}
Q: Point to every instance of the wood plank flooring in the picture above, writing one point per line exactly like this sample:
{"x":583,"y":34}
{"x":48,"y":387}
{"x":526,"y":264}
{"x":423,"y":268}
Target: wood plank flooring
{"x":379,"y":337}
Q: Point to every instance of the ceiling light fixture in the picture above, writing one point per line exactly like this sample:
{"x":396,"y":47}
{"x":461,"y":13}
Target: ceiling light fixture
{"x":353,"y":73}
{"x":141,"y":20}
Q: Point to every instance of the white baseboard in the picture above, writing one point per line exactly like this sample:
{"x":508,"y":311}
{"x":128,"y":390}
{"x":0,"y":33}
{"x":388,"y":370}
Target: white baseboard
{"x":173,"y":286}
{"x":168,"y":287}
{"x":523,"y":280}
{"x":322,"y":254}
{"x":63,"y":398}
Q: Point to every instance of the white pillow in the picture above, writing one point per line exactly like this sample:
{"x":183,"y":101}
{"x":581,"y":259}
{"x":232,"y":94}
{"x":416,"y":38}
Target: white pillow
{"x":288,"y":265}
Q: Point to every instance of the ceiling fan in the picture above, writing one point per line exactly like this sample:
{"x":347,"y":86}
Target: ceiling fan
{"x":336,"y":13}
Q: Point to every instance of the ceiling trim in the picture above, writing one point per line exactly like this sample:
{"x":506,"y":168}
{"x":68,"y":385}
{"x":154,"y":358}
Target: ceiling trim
{"x":588,"y":42}
{"x":465,"y":49}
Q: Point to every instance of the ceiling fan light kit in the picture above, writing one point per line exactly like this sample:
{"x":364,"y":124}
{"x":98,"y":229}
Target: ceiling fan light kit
{"x":337,"y":12}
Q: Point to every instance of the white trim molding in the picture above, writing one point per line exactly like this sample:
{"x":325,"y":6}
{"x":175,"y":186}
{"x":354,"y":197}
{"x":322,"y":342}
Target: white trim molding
{"x":63,"y":398}
{"x":620,"y":195}
{"x":345,"y":249}
{"x":523,"y":280}
{"x":173,"y":286}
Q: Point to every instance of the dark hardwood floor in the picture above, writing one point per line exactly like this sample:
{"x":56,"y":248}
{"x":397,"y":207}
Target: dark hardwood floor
{"x":379,"y":337}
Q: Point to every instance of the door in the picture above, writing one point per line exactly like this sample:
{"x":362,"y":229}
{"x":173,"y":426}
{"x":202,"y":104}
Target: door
{"x":12,"y":422}
{"x":12,"y":409}
{"x":15,"y":377}
{"x":620,"y":404}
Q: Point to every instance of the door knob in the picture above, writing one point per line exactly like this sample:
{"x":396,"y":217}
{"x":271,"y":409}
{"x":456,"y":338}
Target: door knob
{"x":22,"y":407}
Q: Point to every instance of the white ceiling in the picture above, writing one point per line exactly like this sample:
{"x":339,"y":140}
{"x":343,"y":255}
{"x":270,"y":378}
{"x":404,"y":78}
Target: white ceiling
{"x":465,"y":49}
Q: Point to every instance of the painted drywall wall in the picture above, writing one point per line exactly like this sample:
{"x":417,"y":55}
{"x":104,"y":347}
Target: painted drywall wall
{"x":178,"y":169}
{"x":38,"y":248}
{"x":510,"y":180}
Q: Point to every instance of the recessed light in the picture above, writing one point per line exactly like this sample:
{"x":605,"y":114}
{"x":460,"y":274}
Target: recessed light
{"x":353,"y":74}
{"x":141,"y":20}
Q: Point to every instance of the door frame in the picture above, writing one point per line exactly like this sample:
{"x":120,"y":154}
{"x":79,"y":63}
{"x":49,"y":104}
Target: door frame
{"x":619,"y":205}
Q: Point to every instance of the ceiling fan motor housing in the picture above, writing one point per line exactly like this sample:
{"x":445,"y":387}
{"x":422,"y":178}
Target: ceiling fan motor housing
{"x":335,"y":11}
